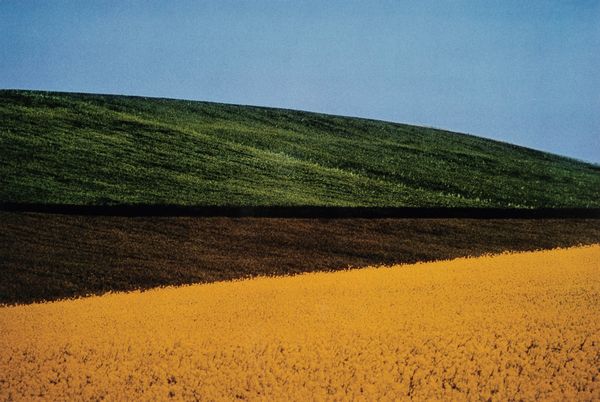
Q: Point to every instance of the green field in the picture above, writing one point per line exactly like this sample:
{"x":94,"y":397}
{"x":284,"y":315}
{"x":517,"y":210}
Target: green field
{"x":64,"y":148}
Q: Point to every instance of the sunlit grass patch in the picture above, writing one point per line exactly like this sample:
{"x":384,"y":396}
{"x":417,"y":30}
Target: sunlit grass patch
{"x":60,"y":148}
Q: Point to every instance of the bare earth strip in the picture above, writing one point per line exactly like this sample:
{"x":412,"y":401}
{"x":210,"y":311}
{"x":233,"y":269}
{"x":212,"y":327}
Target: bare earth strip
{"x":45,"y":256}
{"x":509,"y":327}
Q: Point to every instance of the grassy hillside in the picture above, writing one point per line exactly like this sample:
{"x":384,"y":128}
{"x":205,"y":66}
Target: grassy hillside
{"x":93,"y":149}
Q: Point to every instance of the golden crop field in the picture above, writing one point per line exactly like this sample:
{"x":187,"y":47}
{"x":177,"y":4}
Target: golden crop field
{"x":508,"y":327}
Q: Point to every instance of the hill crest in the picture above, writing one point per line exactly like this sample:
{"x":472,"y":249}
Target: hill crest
{"x":84,"y":149}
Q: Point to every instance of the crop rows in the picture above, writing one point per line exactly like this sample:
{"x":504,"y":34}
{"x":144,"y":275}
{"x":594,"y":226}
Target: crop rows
{"x":52,"y":256}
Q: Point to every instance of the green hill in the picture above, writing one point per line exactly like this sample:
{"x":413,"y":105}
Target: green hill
{"x":99,"y":149}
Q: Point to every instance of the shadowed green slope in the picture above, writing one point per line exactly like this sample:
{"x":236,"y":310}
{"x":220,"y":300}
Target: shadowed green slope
{"x":95,"y":149}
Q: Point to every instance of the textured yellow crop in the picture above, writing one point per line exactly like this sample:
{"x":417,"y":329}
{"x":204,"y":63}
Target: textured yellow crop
{"x":514,"y":326}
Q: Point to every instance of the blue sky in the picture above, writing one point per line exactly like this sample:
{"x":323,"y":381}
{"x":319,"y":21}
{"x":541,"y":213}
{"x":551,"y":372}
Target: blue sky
{"x":525,"y":72}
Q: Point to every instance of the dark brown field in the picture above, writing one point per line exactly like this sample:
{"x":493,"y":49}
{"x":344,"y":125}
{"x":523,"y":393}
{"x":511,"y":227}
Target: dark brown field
{"x":46,"y":257}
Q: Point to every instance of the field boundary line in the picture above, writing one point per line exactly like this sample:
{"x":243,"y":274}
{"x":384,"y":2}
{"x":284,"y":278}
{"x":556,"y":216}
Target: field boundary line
{"x":306,"y":212}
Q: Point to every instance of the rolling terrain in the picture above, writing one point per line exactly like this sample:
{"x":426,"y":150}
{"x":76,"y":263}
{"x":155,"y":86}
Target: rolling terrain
{"x":511,"y":327}
{"x":101,"y":151}
{"x":81,"y":149}
{"x":84,"y":179}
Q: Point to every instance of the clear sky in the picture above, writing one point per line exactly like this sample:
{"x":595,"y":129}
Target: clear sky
{"x":526,"y":72}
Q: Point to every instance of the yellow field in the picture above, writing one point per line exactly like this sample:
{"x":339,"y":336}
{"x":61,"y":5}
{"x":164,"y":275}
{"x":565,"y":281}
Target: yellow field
{"x":521,"y":326}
